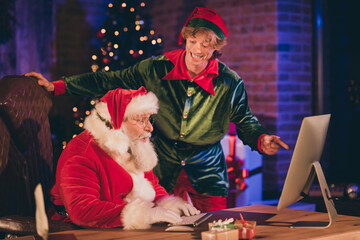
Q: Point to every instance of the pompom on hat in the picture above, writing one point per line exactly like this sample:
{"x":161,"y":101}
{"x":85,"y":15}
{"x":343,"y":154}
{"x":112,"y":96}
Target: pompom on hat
{"x":124,"y":103}
{"x":206,"y":18}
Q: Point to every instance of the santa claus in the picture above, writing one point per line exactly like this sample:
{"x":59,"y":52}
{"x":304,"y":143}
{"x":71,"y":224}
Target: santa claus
{"x":104,"y":176}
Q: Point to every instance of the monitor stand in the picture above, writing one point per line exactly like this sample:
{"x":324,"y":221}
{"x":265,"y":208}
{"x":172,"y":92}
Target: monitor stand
{"x":329,"y":203}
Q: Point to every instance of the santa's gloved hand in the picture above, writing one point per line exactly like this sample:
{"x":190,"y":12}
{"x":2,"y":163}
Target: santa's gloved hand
{"x":160,"y":214}
{"x":177,"y":205}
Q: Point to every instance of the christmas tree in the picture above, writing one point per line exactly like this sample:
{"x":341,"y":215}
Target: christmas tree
{"x":126,"y":37}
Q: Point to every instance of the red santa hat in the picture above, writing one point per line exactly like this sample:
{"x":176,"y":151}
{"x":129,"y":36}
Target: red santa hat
{"x":125,"y":103}
{"x":206,"y":18}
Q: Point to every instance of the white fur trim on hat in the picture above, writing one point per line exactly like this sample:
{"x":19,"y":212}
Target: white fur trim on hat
{"x":113,"y":141}
{"x":147,"y":103}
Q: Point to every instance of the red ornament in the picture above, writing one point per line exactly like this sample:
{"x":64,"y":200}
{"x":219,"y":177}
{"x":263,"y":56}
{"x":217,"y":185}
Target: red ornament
{"x":106,"y":60}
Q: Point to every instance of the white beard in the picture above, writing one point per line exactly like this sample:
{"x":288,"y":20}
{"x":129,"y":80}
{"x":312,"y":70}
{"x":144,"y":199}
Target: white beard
{"x":143,"y":155}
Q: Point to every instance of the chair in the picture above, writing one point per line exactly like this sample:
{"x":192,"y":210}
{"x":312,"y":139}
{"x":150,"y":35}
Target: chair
{"x":26,"y":154}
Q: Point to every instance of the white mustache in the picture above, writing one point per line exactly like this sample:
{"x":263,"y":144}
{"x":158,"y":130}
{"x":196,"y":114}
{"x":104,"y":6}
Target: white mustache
{"x":145,"y":135}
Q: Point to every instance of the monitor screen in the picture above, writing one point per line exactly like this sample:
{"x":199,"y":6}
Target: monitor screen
{"x":304,"y":166}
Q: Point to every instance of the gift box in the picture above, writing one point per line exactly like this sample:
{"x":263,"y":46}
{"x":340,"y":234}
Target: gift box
{"x":246,"y":228}
{"x":220,"y":234}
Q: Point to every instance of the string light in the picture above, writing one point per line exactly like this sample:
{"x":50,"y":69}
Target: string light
{"x":107,"y":68}
{"x":116,"y":46}
{"x":75,"y":109}
{"x":116,"y":33}
{"x":94,"y":67}
{"x":125,"y":29}
{"x":131,"y":52}
{"x":153,"y":42}
{"x":137,"y":28}
{"x":103,"y":30}
{"x":110,"y":5}
{"x":152,"y":32}
{"x":142,"y":4}
{"x":111,"y":54}
{"x":141,"y":52}
{"x":132,"y":9}
{"x":159,"y":40}
{"x":123,"y":5}
{"x":94,"y":57}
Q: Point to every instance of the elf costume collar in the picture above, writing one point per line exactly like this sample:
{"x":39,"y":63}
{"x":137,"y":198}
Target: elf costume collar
{"x":179,"y":72}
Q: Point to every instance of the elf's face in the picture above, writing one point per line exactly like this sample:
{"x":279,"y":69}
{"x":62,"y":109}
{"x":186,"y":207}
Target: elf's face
{"x":139,"y":128}
{"x":198,"y":50}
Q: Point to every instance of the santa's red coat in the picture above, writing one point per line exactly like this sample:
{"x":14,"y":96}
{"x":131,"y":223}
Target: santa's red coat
{"x":92,"y":186}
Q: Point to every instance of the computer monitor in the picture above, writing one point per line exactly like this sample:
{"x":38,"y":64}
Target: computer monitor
{"x":305,"y":165}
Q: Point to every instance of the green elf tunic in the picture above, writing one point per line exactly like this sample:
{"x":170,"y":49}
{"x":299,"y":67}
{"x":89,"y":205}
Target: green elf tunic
{"x":194,"y":115}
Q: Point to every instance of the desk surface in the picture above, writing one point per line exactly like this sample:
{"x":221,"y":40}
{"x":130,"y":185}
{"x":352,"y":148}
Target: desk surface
{"x":271,"y":224}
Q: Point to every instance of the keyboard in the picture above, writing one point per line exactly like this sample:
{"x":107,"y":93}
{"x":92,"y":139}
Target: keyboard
{"x":194,"y":220}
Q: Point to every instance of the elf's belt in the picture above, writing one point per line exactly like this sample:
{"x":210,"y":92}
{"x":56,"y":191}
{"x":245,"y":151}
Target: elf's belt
{"x":180,"y":145}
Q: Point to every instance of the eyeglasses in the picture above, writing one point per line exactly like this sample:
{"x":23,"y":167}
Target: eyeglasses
{"x":142,"y":123}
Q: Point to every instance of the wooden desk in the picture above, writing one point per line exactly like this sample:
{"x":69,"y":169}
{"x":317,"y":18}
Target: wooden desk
{"x":271,"y":224}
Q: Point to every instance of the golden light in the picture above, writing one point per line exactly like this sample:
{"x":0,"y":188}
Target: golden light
{"x":141,"y":52}
{"x":141,"y":39}
{"x":125,"y":29}
{"x":103,"y":31}
{"x":87,"y":112}
{"x":159,"y":40}
{"x":123,"y":4}
{"x":75,"y":109}
{"x":137,"y":22}
{"x":116,"y":33}
{"x":142,"y":4}
{"x":137,"y":28}
{"x":110,"y":5}
{"x":81,"y":125}
{"x":74,"y":136}
{"x":93,"y":57}
{"x":116,"y":46}
{"x":145,"y":38}
{"x":107,"y":68}
{"x":111,"y":54}
{"x":94,"y":67}
{"x":153,"y":42}
{"x":92,"y":102}
{"x":131,"y":52}
{"x":132,"y":9}
{"x":152,"y":32}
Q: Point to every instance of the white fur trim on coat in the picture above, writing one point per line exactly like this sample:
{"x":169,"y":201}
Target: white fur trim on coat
{"x":142,"y":189}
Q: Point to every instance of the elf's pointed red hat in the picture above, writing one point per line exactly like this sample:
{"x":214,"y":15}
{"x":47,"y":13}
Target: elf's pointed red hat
{"x":206,"y":18}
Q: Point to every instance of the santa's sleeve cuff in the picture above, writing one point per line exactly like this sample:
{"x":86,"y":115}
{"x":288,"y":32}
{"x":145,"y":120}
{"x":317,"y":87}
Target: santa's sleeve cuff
{"x":59,"y":87}
{"x":259,"y":143}
{"x":135,"y":215}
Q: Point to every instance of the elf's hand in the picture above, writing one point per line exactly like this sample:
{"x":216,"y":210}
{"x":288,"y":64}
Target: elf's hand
{"x":42,"y":81}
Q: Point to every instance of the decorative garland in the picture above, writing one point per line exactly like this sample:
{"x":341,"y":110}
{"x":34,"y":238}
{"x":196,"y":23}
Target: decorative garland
{"x":7,"y":19}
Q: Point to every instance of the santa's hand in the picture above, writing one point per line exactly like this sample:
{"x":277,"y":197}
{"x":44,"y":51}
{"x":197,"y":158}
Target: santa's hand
{"x":178,"y":205}
{"x":159,"y":214}
{"x":42,"y":81}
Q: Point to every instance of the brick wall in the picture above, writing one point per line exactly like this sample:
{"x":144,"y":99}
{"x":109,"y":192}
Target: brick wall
{"x":270,"y":47}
